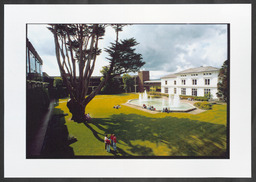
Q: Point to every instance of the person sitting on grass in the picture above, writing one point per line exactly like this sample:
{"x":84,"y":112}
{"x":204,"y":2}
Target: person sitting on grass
{"x":117,"y":107}
{"x":88,"y":117}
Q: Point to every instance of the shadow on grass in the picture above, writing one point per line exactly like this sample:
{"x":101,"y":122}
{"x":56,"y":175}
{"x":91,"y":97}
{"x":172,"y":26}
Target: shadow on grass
{"x":57,"y":139}
{"x":179,"y":136}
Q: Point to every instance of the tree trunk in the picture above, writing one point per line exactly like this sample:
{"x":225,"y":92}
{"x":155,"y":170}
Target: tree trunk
{"x":77,"y":110}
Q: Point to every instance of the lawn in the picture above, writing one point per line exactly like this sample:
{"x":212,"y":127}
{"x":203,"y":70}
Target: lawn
{"x":141,"y":133}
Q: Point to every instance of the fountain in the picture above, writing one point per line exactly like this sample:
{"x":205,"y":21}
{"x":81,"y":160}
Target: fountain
{"x":173,"y":103}
{"x":143,"y":96}
{"x":174,"y":100}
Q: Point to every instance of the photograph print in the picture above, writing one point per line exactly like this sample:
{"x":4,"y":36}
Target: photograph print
{"x":127,"y":91}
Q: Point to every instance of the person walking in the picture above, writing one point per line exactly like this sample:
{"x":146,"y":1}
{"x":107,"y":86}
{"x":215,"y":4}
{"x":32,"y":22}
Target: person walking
{"x":114,"y":142}
{"x":105,"y":141}
{"x":111,"y":139}
{"x":108,"y":145}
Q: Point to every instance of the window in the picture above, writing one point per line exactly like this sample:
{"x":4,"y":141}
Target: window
{"x":207,"y":73}
{"x":174,"y":82}
{"x":37,"y":66}
{"x":165,"y":82}
{"x":207,"y":81}
{"x":194,"y":91}
{"x":207,"y":91}
{"x":175,"y":90}
{"x":183,"y":82}
{"x":183,"y":91}
{"x":32,"y":62}
{"x":166,"y":90}
{"x":183,"y":75}
{"x":27,"y":62}
{"x":194,"y":74}
{"x":194,"y":82}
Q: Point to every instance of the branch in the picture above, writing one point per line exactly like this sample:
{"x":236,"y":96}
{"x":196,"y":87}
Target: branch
{"x":67,"y":55}
{"x":71,"y":54}
{"x":64,"y":58}
{"x":57,"y":46}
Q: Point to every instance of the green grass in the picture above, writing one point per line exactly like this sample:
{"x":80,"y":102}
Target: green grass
{"x":141,"y":133}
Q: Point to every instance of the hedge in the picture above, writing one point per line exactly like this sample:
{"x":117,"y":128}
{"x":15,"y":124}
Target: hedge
{"x":37,"y":105}
{"x":158,"y":94}
{"x":187,"y":97}
{"x":201,"y":98}
{"x":203,"y":105}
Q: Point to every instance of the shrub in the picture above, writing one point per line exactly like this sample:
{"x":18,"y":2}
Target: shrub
{"x":158,"y":94}
{"x":201,"y":98}
{"x":187,"y":96}
{"x":203,"y":105}
{"x":37,"y":105}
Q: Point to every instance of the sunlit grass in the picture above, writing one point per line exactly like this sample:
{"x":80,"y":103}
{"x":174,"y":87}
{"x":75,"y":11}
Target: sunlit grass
{"x":140,"y":133}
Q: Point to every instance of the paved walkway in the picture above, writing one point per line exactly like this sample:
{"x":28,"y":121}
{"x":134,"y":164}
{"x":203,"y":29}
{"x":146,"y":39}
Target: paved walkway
{"x":37,"y":142}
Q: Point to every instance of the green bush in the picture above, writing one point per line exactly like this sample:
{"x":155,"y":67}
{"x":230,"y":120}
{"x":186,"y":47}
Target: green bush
{"x":37,"y":105}
{"x":203,"y":105}
{"x":201,"y":98}
{"x":38,"y":98}
{"x":187,"y":96}
{"x":158,"y":94}
{"x":59,"y":90}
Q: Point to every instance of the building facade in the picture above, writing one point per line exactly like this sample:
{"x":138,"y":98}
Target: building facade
{"x":34,"y":74}
{"x":193,"y":82}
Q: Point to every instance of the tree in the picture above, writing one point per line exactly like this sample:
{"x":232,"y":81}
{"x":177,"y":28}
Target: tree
{"x":128,"y":82}
{"x":223,"y":90}
{"x":76,"y":47}
{"x":59,"y":87}
{"x":113,"y":86}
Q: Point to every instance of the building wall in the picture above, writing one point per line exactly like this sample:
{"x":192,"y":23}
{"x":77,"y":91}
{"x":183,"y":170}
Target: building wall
{"x":143,"y":76}
{"x":200,"y":83}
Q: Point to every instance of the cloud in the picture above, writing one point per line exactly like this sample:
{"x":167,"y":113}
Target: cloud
{"x":165,"y":48}
{"x":41,"y":38}
{"x":176,"y":47}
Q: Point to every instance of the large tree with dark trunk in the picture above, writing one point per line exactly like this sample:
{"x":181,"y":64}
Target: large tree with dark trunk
{"x":76,"y":47}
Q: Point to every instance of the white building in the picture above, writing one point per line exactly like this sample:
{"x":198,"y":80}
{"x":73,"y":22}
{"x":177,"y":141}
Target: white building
{"x":194,"y":81}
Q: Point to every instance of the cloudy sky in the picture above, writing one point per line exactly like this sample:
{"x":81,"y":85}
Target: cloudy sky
{"x":166,"y":48}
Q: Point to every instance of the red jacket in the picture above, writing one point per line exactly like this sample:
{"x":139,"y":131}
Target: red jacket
{"x":114,"y":139}
{"x":107,"y":141}
{"x":111,"y":137}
